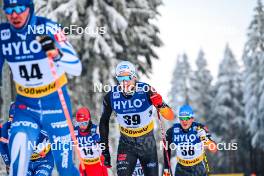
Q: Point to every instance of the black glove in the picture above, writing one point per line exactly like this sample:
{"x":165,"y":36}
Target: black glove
{"x":48,"y":44}
{"x":107,"y":158}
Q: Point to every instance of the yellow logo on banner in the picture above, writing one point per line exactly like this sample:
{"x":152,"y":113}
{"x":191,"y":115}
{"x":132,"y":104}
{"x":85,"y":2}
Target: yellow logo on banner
{"x":41,"y":91}
{"x":136,"y":132}
{"x":91,"y":160}
{"x":190,"y":162}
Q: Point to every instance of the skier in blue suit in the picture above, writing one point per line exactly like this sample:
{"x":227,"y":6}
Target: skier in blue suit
{"x":37,"y":105}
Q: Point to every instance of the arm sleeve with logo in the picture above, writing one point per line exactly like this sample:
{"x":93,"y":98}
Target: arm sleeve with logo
{"x":169,"y":140}
{"x":207,"y":138}
{"x":104,"y":121}
{"x":204,"y":133}
{"x":69,"y":60}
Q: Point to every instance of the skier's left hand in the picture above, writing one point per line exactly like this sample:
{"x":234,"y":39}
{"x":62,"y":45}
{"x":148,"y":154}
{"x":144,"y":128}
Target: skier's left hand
{"x":156,"y":100}
{"x":96,"y":138}
{"x":201,"y":133}
{"x":48,"y":45}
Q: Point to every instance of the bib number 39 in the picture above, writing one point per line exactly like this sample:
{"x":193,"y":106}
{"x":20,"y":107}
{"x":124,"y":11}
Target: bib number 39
{"x":132,"y":120}
{"x":34,"y":72}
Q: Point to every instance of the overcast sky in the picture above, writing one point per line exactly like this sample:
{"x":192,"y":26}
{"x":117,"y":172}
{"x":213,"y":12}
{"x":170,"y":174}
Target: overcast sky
{"x":188,"y":25}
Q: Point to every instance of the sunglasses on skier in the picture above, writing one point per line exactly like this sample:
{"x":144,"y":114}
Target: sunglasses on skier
{"x":18,"y":9}
{"x":185,"y":118}
{"x":83,"y":123}
{"x":123,"y":78}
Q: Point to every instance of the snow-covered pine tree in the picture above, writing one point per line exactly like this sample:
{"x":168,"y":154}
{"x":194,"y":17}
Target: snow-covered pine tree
{"x":228,"y":100}
{"x":180,"y":89}
{"x":227,"y":109}
{"x":96,"y":50}
{"x":254,"y":85}
{"x":128,"y":34}
{"x":200,"y":89}
{"x":142,"y":34}
{"x":254,"y":77}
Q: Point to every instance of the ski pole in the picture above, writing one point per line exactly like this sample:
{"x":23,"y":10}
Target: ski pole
{"x":65,"y":109}
{"x":164,"y":142}
{"x":207,"y":164}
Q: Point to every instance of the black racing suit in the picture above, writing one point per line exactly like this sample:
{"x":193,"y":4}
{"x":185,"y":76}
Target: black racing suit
{"x":130,"y":148}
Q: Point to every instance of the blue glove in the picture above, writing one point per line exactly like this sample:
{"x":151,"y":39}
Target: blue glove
{"x":96,"y":137}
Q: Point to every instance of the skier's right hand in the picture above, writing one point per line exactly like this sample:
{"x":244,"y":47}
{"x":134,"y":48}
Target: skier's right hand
{"x":156,"y":100}
{"x":166,"y":172}
{"x":48,"y":45}
{"x":107,"y":158}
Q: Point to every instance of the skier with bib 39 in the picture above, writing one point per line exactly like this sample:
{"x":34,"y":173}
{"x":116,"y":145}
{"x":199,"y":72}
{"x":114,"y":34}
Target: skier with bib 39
{"x":190,"y":138}
{"x":132,"y":102}
{"x":37,"y":106}
{"x":88,"y":136}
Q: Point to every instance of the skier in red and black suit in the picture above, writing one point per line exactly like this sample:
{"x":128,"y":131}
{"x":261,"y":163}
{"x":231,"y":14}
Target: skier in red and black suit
{"x":88,"y":138}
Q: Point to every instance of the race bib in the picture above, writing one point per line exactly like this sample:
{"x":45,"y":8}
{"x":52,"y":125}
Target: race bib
{"x":190,"y":154}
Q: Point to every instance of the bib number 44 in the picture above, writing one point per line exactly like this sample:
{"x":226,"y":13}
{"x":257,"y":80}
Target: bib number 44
{"x":34,"y":72}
